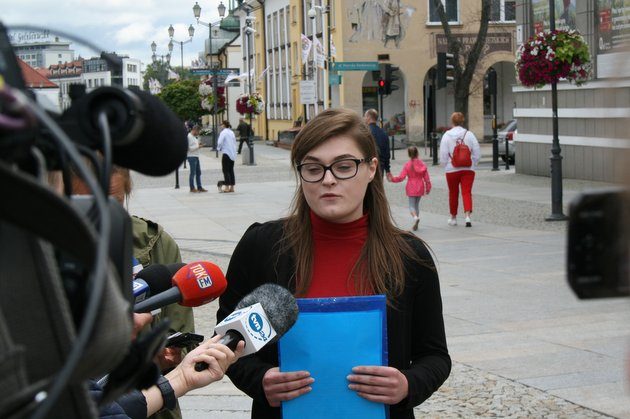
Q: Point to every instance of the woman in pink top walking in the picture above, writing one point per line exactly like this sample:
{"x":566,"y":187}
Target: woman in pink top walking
{"x":418,"y":182}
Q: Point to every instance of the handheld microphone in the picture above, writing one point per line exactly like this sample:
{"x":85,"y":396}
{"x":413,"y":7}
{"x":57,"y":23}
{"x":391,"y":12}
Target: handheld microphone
{"x":153,"y":280}
{"x":262,"y":316}
{"x":195,"y":284}
{"x":141,"y":290}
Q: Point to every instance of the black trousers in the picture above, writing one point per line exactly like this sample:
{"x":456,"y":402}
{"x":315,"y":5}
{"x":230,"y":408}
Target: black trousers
{"x":227,"y":165}
{"x":240,"y":143}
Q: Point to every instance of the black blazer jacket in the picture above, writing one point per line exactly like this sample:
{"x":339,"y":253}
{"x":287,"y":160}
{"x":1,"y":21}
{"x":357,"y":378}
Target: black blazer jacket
{"x":417,"y":341}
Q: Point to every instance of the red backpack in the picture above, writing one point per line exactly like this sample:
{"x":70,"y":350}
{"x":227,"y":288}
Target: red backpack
{"x":462,"y":156}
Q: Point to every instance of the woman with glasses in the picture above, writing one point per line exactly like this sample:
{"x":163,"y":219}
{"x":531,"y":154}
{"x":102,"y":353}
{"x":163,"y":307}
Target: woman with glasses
{"x":339,"y":240}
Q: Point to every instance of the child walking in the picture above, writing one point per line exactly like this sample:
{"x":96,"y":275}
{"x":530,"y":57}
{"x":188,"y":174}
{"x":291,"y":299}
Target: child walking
{"x":418,"y":182}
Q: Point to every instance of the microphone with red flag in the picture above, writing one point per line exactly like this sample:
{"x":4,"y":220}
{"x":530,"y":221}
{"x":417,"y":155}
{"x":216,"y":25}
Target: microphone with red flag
{"x":195,"y":284}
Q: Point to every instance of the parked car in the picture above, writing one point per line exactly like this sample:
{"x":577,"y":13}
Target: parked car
{"x":508,"y":133}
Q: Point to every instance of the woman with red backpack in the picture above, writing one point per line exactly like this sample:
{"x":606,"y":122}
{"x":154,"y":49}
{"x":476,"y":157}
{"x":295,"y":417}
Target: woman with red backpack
{"x":418,"y":182}
{"x":459,"y":154}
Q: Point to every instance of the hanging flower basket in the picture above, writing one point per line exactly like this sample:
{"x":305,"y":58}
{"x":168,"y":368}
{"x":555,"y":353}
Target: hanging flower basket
{"x":206,"y":91}
{"x":553,"y":55}
{"x":250,"y":104}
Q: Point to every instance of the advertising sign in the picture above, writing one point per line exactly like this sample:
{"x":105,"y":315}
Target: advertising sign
{"x":565,"y":14}
{"x":308,"y":92}
{"x":613,"y":25}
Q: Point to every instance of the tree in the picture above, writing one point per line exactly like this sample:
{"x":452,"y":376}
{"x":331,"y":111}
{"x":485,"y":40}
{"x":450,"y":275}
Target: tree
{"x":183,"y":98}
{"x":157,"y":70}
{"x":464,"y":61}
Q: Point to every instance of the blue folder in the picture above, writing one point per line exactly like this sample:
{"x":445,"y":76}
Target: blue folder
{"x":331,"y":336}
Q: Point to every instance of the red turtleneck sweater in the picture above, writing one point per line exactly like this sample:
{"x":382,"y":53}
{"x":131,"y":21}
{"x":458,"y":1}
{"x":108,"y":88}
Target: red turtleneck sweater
{"x":336,"y":249}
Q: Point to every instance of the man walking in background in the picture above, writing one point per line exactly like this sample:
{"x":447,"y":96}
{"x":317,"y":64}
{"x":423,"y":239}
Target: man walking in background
{"x":193,"y":160}
{"x":243,"y":130}
{"x":382,"y":142}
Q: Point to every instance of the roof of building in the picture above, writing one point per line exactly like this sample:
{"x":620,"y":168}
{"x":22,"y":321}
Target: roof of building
{"x":70,"y":64}
{"x":32,"y":78}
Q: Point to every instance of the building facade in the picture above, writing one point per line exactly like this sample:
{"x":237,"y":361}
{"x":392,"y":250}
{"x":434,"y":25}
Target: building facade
{"x":41,"y":50}
{"x":406,"y":35}
{"x":592,"y":119}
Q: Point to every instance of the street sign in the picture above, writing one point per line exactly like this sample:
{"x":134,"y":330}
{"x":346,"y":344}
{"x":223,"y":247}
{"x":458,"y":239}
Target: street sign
{"x":355,"y":66}
{"x":334,"y":79}
{"x":308,"y":92}
{"x":217,"y":71}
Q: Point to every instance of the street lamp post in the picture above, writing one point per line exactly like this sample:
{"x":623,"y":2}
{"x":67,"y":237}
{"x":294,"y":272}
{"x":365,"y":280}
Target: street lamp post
{"x":556,"y":158}
{"x":165,"y":60}
{"x":197,"y":14}
{"x":312,"y":13}
{"x":171,"y":32}
{"x":249,"y":31}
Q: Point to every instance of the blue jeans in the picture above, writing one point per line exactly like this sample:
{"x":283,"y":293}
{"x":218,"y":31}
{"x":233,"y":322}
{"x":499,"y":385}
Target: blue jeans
{"x":195,"y":172}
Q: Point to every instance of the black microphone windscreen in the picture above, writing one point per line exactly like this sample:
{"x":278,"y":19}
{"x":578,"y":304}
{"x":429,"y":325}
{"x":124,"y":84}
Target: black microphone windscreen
{"x":162,"y":144}
{"x":159,"y":277}
{"x":279,"y":305}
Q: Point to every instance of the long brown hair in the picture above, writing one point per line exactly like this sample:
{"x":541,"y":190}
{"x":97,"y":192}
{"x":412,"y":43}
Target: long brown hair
{"x":380,"y":267}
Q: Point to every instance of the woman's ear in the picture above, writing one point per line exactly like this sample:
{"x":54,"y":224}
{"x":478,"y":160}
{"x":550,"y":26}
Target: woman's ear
{"x":373,"y":165}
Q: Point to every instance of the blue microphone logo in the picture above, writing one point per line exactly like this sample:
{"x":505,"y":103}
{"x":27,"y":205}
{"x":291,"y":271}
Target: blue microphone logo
{"x":258,"y":325}
{"x":256,"y":322}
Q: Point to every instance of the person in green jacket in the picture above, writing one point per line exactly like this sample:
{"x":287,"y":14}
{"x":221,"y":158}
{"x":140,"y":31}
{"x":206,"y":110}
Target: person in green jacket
{"x":151,"y":244}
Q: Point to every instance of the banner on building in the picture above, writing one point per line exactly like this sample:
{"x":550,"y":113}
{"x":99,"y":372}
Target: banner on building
{"x":172,"y":75}
{"x":320,"y":57}
{"x":154,"y":86}
{"x":306,"y":48}
{"x":333,"y":50}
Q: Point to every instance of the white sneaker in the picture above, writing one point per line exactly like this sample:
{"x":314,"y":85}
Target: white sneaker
{"x":452,"y":221}
{"x":468,"y":223}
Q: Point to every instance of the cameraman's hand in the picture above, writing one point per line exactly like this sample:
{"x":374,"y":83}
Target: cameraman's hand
{"x":140,"y":320}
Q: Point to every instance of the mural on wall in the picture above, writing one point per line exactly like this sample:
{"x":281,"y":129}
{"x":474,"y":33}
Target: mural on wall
{"x":379,"y":20}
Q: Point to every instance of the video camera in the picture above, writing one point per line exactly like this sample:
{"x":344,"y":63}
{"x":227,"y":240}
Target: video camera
{"x":66,"y":263}
{"x":598,"y":256}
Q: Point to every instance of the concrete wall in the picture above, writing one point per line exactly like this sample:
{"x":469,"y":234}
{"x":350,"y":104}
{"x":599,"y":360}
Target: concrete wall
{"x":592,"y":126}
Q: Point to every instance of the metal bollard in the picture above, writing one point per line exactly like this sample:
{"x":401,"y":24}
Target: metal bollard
{"x":434,"y":140}
{"x":393,"y":148}
{"x":507,"y":155}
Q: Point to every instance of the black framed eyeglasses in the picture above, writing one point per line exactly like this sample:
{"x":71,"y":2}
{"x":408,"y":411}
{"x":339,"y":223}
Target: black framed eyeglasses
{"x":341,"y":169}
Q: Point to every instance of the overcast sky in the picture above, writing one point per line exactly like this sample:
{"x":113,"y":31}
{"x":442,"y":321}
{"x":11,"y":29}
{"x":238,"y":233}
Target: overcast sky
{"x":123,"y":26}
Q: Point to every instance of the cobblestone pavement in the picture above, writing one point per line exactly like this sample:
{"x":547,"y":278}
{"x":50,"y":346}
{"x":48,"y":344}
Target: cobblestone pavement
{"x":470,"y":391}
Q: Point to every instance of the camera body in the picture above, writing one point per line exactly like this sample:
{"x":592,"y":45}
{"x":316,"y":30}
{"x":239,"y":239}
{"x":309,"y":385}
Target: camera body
{"x":598,"y":254}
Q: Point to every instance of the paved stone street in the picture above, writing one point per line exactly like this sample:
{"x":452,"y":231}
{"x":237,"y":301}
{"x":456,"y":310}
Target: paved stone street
{"x":522,"y":344}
